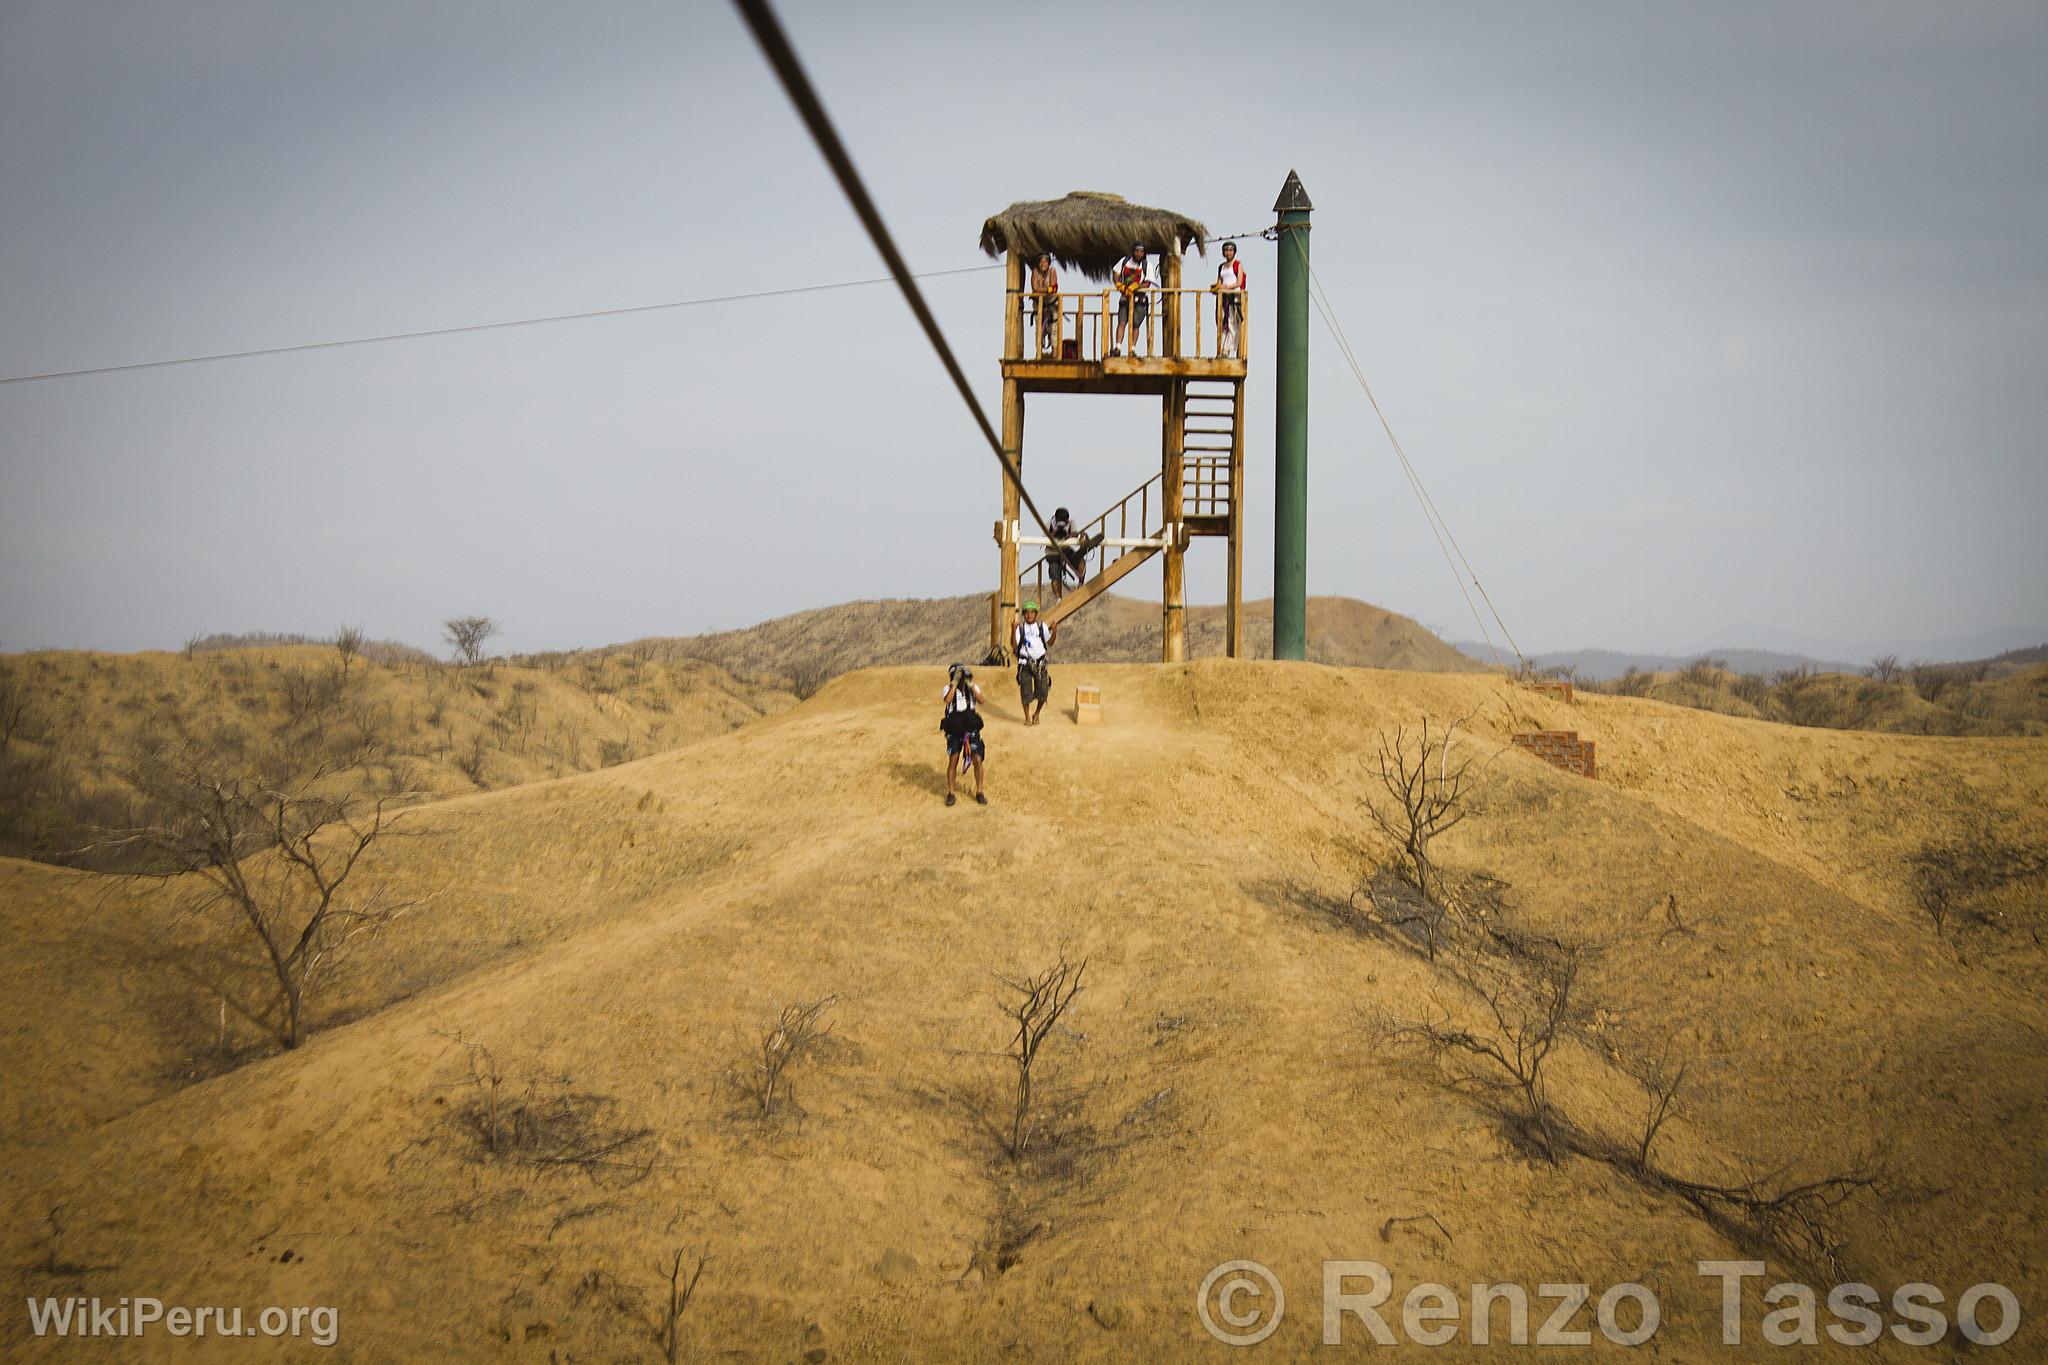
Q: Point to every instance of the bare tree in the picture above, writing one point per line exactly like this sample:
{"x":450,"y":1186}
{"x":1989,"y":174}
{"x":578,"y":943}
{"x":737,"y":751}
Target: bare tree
{"x":793,"y":1034}
{"x":348,"y":643}
{"x":1041,"y":1000}
{"x":669,"y":1335}
{"x":278,"y":851}
{"x":1885,"y":668}
{"x":1526,"y":1027}
{"x":1661,"y":1077}
{"x":467,"y":634}
{"x":1428,"y":792}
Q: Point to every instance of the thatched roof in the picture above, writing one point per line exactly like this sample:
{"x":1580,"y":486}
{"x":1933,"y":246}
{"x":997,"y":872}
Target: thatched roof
{"x":1088,"y":231}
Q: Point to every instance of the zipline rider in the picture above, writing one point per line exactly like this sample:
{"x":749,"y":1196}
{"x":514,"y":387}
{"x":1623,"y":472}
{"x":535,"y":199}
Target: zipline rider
{"x":1034,"y":680}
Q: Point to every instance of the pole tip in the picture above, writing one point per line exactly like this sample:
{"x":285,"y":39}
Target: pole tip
{"x":1293,"y":198}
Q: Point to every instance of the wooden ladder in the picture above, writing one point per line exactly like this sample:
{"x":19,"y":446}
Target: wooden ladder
{"x":1209,"y":440}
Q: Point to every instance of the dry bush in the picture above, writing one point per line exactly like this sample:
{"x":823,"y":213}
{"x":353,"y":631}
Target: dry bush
{"x":1426,"y":797}
{"x":795,"y":1032}
{"x":1528,"y":1017}
{"x":348,"y":644}
{"x":544,"y":1122}
{"x":468,"y":634}
{"x":1633,"y":683}
{"x":806,"y":676}
{"x":273,"y":845}
{"x":1704,"y":671}
{"x":1527,"y":1023}
{"x":668,"y":1336}
{"x":1884,"y":668}
{"x":1042,"y":998}
{"x":1662,"y":1078}
{"x":14,"y":709}
{"x":1955,"y":875}
{"x":1753,"y":688}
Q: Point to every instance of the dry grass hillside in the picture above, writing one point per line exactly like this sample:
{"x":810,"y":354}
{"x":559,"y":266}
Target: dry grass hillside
{"x":1986,"y":697}
{"x":72,"y":723}
{"x":810,"y":647}
{"x":526,"y":1100}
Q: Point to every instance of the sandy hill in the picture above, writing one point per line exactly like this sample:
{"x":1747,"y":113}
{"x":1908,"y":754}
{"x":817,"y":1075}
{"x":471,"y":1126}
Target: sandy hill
{"x":71,"y":721}
{"x":1223,"y":1088}
{"x":812,"y":646}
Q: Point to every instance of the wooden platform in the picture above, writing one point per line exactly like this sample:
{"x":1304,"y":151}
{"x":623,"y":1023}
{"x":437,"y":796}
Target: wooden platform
{"x":1123,"y":374}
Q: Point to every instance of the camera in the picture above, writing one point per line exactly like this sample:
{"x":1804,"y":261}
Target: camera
{"x":961,"y":673}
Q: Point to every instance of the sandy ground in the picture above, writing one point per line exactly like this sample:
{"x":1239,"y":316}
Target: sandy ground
{"x":1219,"y":1092}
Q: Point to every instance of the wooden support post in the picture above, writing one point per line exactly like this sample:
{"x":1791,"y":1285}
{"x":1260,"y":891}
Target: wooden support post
{"x":1173,"y":645}
{"x":1233,"y":642}
{"x":1169,"y":281}
{"x":1003,"y":623}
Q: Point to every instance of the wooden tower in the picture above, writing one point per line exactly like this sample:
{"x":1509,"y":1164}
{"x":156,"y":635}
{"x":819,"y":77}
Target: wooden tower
{"x":1185,"y":356}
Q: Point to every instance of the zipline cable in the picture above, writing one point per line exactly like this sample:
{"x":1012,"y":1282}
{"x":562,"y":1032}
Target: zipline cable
{"x":775,"y":47}
{"x":486,"y":326}
{"x":1439,"y":527}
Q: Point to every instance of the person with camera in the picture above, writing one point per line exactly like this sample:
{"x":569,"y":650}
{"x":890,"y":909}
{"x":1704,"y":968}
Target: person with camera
{"x":962,"y":727}
{"x":1034,"y":679}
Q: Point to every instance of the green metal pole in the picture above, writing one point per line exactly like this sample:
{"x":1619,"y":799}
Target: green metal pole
{"x":1290,"y":426}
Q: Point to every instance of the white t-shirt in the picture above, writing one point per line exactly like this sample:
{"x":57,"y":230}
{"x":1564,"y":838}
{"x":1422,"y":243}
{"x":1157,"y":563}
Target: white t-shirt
{"x":1230,"y":274}
{"x":963,"y":699}
{"x":1031,"y":641}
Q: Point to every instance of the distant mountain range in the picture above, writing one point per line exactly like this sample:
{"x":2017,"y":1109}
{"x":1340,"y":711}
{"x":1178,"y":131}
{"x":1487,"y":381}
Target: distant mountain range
{"x":1598,"y":665}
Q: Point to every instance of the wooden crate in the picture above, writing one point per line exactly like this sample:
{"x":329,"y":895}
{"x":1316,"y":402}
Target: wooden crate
{"x":1087,"y":704}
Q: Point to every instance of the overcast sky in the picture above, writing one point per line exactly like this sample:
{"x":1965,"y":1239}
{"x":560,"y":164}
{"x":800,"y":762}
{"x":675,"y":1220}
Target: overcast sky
{"x":1705,"y":324}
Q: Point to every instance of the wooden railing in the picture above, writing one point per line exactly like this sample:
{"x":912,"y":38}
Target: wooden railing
{"x":1107,"y":530}
{"x":1214,"y":324}
{"x":1205,"y":485}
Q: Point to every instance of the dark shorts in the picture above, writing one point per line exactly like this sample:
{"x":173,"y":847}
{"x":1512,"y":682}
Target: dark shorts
{"x":975,"y":748}
{"x":1034,"y":681}
{"x":1137,"y":306}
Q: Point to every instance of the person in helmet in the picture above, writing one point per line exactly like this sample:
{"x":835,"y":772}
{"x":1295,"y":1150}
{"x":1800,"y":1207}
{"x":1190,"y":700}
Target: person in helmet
{"x":1034,"y":679}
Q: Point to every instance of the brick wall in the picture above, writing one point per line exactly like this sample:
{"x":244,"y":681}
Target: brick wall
{"x":1560,"y":749}
{"x":1551,"y":687}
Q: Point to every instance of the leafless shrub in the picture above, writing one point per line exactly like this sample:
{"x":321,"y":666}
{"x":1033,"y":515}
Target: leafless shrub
{"x":1958,"y":873}
{"x":806,"y":676}
{"x":1884,"y":668}
{"x":1752,"y":688}
{"x":1800,"y":1217}
{"x":468,"y":634}
{"x":669,"y":1335}
{"x":471,"y":760}
{"x":1703,"y":671}
{"x":1526,"y":1025}
{"x":277,"y":850}
{"x":1042,"y":998}
{"x":1428,"y":794}
{"x":545,"y":1123}
{"x":1633,"y":683}
{"x":348,"y":643}
{"x":795,"y":1032}
{"x":307,"y":696}
{"x":1662,"y":1078}
{"x":13,"y":705}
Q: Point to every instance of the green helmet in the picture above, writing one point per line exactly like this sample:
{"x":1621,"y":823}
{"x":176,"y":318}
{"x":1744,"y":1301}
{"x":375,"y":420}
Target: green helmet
{"x":1031,"y":606}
